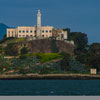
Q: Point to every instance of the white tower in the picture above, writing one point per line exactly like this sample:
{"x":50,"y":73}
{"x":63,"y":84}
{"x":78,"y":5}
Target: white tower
{"x":39,"y":35}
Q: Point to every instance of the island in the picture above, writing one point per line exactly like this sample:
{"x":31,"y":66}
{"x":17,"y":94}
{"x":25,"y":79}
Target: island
{"x":43,"y":52}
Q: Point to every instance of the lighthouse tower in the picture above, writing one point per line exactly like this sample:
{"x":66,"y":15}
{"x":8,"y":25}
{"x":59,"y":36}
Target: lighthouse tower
{"x":39,"y":35}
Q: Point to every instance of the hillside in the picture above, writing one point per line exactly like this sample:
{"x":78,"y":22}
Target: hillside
{"x":47,"y":46}
{"x":43,"y":46}
{"x":3,"y":28}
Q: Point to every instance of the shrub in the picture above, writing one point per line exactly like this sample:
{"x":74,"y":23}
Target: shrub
{"x":22,"y":63}
{"x":24,"y":51}
{"x":65,"y":61}
{"x":6,"y":39}
{"x":45,"y":70}
{"x":35,"y":69}
{"x":11,"y":50}
{"x":77,"y":67}
{"x":1,"y":50}
{"x":4,"y":63}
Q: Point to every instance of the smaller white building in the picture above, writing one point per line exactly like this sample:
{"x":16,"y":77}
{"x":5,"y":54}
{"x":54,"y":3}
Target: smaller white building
{"x":93,"y":71}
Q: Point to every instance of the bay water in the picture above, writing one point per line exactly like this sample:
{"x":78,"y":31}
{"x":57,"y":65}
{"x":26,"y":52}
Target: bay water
{"x":50,"y":87}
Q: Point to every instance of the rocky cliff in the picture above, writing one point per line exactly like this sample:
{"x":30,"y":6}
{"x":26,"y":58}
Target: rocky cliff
{"x":47,"y":46}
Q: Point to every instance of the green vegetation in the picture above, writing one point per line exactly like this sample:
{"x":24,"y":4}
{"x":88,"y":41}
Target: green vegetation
{"x":1,"y":50}
{"x":24,"y":65}
{"x":11,"y":40}
{"x":77,"y":67}
{"x":94,"y":56}
{"x":65,"y":61}
{"x":4,"y":65}
{"x":85,"y":57}
{"x":11,"y":50}
{"x":48,"y":57}
{"x":42,"y":64}
{"x":24,"y":51}
{"x":54,"y":46}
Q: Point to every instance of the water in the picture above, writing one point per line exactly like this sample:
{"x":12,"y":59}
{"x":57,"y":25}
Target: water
{"x":50,"y":87}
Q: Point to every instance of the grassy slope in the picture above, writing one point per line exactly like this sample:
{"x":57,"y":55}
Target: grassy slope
{"x":14,"y":40}
{"x":47,"y":57}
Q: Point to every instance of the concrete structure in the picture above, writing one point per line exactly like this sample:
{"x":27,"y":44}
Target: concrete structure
{"x":93,"y":71}
{"x":22,"y":32}
{"x":39,"y":24}
{"x":62,"y":35}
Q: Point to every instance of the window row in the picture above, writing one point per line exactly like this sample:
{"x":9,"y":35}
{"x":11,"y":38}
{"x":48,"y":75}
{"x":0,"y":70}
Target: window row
{"x":26,"y":31}
{"x":31,"y":35}
{"x":25,"y":35}
{"x":47,"y":31}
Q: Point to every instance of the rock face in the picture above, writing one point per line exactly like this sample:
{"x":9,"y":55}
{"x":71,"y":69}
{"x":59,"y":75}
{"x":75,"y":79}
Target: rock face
{"x":45,"y":46}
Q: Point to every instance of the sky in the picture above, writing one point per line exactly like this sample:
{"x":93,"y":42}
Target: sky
{"x":78,"y":15}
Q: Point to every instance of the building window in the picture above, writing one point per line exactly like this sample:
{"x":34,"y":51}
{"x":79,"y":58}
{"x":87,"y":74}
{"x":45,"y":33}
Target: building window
{"x":27,"y":36}
{"x":31,"y":35}
{"x":12,"y":32}
{"x":23,"y":35}
{"x":9,"y":32}
{"x":19,"y":31}
{"x":50,"y":31}
{"x":35,"y":31}
{"x":23,"y":31}
{"x":26,"y":31}
{"x":43,"y":36}
{"x":62,"y":36}
{"x":31,"y":31}
{"x":42,"y":31}
{"x":19,"y":35}
{"x":46,"y":31}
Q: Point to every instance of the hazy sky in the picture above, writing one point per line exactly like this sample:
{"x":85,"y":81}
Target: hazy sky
{"x":79,"y":15}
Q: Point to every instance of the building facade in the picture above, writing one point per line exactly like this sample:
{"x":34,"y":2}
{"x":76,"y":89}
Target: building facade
{"x":35,"y":31}
{"x":22,"y":32}
{"x":38,"y":31}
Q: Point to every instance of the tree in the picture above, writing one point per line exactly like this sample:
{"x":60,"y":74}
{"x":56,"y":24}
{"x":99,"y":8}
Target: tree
{"x":4,"y":63}
{"x":94,"y":49}
{"x":94,"y":56}
{"x":77,"y":67}
{"x":19,"y":64}
{"x":94,"y":62}
{"x":83,"y":58}
{"x":65,"y":61}
{"x":80,"y":40}
{"x":11,"y":50}
{"x":1,"y":50}
{"x":24,"y":51}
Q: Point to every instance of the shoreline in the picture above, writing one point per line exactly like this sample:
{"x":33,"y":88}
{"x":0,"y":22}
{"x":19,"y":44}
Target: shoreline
{"x":50,"y":77}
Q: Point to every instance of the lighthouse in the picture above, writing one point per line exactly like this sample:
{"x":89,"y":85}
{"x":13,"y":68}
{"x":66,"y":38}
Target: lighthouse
{"x":39,"y":34}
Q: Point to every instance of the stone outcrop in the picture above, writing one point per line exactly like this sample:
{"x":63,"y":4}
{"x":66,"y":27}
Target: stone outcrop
{"x":44,"y":46}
